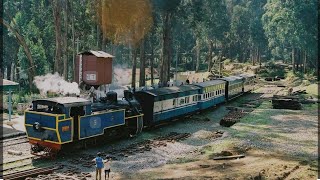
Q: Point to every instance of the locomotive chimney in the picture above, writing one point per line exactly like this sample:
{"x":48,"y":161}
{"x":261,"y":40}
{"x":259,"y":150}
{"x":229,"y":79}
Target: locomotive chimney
{"x":112,"y":97}
{"x":128,"y":95}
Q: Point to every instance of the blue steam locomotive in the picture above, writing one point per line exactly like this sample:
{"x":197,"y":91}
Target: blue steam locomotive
{"x":57,"y":123}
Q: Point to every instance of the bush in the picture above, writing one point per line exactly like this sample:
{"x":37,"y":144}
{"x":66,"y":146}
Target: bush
{"x":227,"y":61}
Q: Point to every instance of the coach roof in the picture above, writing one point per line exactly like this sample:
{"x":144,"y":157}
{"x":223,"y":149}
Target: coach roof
{"x":210,"y":83}
{"x":171,"y":90}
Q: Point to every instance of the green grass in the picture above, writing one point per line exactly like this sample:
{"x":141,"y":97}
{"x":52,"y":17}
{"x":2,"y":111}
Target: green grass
{"x":312,"y":90}
{"x":310,"y":107}
{"x":258,"y":117}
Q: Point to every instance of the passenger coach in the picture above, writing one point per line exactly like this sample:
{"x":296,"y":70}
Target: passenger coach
{"x":234,"y":86}
{"x":249,"y":81}
{"x":212,"y":93}
{"x":168,"y":102}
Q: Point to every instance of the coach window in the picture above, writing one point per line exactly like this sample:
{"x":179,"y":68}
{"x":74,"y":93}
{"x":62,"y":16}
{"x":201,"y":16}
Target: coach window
{"x":181,"y":101}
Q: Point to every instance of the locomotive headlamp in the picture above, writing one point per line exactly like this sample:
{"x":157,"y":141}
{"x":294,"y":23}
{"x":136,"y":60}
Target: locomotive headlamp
{"x":37,"y":126}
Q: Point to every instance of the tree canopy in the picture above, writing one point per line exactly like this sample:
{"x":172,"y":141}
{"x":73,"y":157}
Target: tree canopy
{"x":42,"y":36}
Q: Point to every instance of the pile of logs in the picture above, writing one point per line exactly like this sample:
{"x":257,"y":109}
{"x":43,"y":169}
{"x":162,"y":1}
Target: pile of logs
{"x":233,"y":116}
{"x":285,"y":102}
{"x":299,"y":92}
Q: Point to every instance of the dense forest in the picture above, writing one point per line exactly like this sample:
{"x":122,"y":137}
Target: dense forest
{"x":44,"y":36}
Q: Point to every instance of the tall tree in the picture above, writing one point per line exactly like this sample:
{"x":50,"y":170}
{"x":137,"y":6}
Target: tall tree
{"x":65,"y":40}
{"x":56,"y":5}
{"x":291,"y":25}
{"x":142,"y":80}
{"x":167,"y":10}
{"x":217,"y":23}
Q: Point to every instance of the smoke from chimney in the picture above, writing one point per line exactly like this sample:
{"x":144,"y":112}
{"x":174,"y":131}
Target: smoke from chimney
{"x":55,"y":83}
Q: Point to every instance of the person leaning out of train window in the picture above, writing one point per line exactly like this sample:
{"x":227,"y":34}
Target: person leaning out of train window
{"x":99,"y":165}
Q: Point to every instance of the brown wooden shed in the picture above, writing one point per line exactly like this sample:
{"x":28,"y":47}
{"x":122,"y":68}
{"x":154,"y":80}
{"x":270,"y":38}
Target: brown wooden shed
{"x":93,"y":68}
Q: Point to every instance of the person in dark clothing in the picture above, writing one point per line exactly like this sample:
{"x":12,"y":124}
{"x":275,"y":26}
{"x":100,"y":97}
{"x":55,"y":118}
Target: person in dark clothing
{"x":187,"y":81}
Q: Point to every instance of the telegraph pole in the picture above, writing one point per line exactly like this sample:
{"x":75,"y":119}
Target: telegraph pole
{"x":220,"y":66}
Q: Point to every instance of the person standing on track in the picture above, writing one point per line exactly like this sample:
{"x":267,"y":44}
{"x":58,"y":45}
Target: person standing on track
{"x":99,"y":165}
{"x":107,"y":167}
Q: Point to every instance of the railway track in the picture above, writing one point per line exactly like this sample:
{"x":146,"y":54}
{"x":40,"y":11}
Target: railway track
{"x":29,"y":173}
{"x":12,"y":165}
{"x":13,"y":141}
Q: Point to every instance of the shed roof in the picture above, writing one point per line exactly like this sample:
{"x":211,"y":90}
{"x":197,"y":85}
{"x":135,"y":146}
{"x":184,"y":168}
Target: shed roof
{"x":7,"y":85}
{"x":65,"y":101}
{"x":209,"y":83}
{"x":98,"y":54}
{"x":232,"y":78}
{"x":247,"y":75}
{"x":171,"y":89}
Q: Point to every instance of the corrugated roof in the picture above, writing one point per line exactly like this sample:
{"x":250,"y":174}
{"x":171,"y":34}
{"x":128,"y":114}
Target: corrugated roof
{"x":98,"y":53}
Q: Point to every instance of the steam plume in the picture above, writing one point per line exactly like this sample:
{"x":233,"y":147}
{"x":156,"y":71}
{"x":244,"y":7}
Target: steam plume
{"x":122,"y":76}
{"x":55,"y":83}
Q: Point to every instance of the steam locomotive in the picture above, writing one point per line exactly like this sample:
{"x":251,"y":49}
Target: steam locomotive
{"x":57,"y":123}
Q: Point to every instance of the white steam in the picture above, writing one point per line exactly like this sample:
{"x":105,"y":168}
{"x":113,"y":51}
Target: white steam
{"x":122,"y":76}
{"x":56,"y":84}
{"x":122,"y":79}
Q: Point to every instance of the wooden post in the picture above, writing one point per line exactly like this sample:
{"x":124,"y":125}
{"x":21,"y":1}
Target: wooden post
{"x":10,"y":104}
